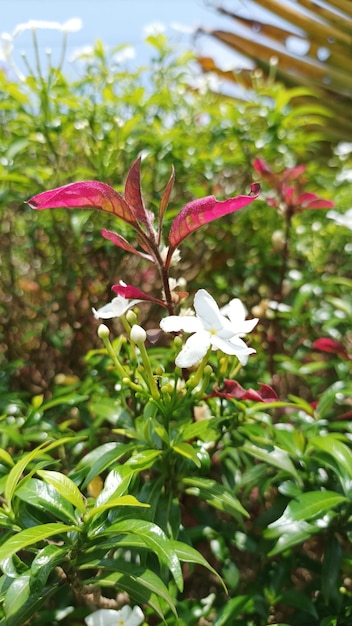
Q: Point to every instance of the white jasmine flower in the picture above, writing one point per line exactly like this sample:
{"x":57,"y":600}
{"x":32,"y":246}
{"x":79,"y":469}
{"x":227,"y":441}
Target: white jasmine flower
{"x":109,"y":617}
{"x":210,"y":327}
{"x":342,"y":219}
{"x":117,"y":307}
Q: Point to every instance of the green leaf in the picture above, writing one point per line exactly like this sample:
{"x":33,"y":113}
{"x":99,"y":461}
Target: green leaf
{"x":6,"y":458}
{"x":144,"y":459}
{"x":119,"y":501}
{"x":138,"y":589}
{"x":18,"y":469}
{"x":336,"y":455}
{"x":17,"y":595}
{"x":187,"y":554}
{"x":45,"y":497}
{"x":187,"y":451}
{"x":272,"y":455}
{"x":65,"y":486}
{"x":100,"y":459}
{"x":232,"y":609}
{"x":291,"y":535}
{"x":215,"y":494}
{"x":153,"y":538}
{"x":136,"y":575}
{"x":44,"y":562}
{"x":308,"y":505}
{"x":27,"y":537}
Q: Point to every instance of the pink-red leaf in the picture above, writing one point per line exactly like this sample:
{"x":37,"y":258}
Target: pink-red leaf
{"x":232,"y":389}
{"x":134,"y":198}
{"x":133,"y":293}
{"x":326,"y":344}
{"x":121,"y":242}
{"x":88,"y":194}
{"x":311,"y":201}
{"x":203,"y":211}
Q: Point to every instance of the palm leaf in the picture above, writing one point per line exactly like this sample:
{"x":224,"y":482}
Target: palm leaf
{"x":325,"y":66}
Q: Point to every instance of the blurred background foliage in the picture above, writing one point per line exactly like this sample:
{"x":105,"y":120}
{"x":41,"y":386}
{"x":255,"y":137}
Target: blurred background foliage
{"x":55,"y":129}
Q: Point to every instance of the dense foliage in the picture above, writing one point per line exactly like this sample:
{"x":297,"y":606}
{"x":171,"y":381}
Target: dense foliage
{"x":218,"y":494}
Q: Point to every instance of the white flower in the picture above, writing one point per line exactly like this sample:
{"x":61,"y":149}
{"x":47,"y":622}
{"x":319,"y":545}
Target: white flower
{"x":220,"y":330}
{"x":6,"y":46}
{"x":117,"y":307}
{"x":109,"y":617}
{"x":342,"y":219}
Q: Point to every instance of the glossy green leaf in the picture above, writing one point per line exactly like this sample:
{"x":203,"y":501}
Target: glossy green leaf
{"x":232,"y":609}
{"x":215,"y":494}
{"x":115,"y":502}
{"x":308,"y":505}
{"x":155,"y":539}
{"x":6,"y":458}
{"x":44,"y":562}
{"x":290,"y":535}
{"x":100,"y":459}
{"x":336,"y":455}
{"x":187,"y":554}
{"x":17,"y":470}
{"x":137,"y":577}
{"x":45,"y":497}
{"x":65,"y":486}
{"x":272,"y":455}
{"x":187,"y":451}
{"x":17,"y":595}
{"x":30,"y":536}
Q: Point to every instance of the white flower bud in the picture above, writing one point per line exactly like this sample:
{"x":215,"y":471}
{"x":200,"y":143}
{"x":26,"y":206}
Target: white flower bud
{"x":138,"y":334}
{"x":103,"y":331}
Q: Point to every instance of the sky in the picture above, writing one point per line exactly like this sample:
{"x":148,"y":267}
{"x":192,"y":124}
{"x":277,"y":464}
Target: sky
{"x":117,"y":22}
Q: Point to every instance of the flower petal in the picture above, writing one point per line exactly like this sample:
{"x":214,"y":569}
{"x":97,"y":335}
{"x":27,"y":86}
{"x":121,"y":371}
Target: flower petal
{"x":208,"y":311}
{"x":194,"y":349}
{"x":187,"y":323}
{"x":136,"y":617}
{"x":103,"y":617}
{"x":117,"y":307}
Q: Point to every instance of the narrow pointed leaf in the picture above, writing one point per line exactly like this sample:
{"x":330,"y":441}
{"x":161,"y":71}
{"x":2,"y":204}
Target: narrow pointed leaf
{"x":154,"y":539}
{"x":121,"y":242}
{"x":133,"y":196}
{"x":85,"y":195}
{"x":215,"y":494}
{"x":65,"y":486}
{"x":204,"y":210}
{"x":28,"y":537}
{"x":114,"y":502}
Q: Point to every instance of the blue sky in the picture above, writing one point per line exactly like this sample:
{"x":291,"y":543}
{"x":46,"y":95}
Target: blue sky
{"x":117,"y":22}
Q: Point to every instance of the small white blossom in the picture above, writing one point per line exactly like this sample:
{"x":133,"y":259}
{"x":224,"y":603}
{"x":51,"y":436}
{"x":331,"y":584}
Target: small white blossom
{"x":117,"y":307}
{"x":341,"y":219}
{"x":109,"y":617}
{"x":210,"y":327}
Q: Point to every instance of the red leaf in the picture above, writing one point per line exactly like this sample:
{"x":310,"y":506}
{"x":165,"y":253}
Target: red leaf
{"x":121,"y":242}
{"x":132,"y":293}
{"x":326,"y":344}
{"x":133,"y":196}
{"x":312,"y":201}
{"x":232,"y":389}
{"x":88,"y":194}
{"x":204,"y":210}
